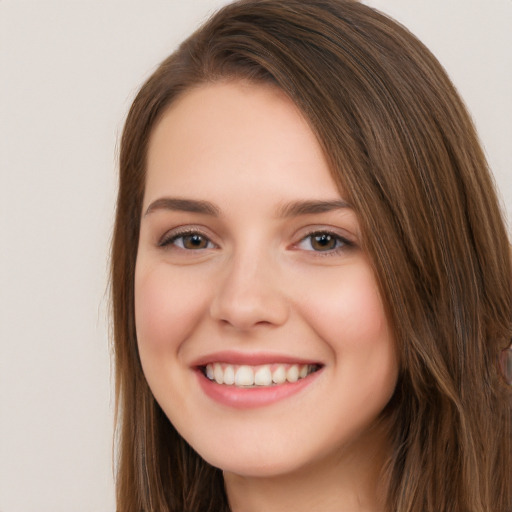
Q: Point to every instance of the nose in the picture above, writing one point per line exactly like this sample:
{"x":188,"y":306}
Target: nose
{"x":249,"y":293}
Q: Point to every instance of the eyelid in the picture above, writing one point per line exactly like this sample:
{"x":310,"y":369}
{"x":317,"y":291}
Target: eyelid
{"x":347,"y":242}
{"x":182,"y":231}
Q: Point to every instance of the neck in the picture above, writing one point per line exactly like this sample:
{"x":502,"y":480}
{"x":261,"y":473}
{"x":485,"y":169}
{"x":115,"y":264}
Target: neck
{"x":350,"y":482}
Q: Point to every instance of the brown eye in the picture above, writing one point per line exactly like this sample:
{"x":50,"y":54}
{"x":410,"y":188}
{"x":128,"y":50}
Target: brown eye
{"x":188,"y":241}
{"x":194,"y":241}
{"x":324,"y":242}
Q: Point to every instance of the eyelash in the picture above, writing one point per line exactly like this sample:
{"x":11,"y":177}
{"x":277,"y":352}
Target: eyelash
{"x":341,"y":243}
{"x":170,"y":239}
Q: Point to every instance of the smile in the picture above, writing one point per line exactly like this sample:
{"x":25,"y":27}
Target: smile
{"x":248,"y":380}
{"x":267,"y":375}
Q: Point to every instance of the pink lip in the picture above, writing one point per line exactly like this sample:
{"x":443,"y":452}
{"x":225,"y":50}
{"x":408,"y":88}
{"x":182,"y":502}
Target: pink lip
{"x":247,"y":398}
{"x":252,"y":359}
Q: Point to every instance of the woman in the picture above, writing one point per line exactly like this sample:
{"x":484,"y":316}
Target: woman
{"x":311,"y":276}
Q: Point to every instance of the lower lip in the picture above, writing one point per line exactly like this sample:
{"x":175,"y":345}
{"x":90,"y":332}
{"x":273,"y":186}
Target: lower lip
{"x":246,"y":398}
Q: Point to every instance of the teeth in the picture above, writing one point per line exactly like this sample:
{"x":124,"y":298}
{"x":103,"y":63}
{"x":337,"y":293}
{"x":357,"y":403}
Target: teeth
{"x":263,"y":376}
{"x":253,"y":376}
{"x":218,"y":373}
{"x":229,"y":375}
{"x":244,"y":376}
{"x":279,"y":375}
{"x":292,"y":375}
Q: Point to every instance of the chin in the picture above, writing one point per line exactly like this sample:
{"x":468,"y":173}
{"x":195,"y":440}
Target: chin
{"x":255,"y":466}
{"x":249,"y":458}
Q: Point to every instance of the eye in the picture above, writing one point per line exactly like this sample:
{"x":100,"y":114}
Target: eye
{"x":323,"y":241}
{"x":191,"y":240}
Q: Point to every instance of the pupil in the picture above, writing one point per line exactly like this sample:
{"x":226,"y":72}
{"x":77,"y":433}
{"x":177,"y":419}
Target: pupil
{"x":194,"y":241}
{"x":323,"y":242}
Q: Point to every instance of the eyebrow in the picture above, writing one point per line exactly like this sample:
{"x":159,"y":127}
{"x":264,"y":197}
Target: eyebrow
{"x":296,"y":208}
{"x":291,"y":209}
{"x":184,"y":205}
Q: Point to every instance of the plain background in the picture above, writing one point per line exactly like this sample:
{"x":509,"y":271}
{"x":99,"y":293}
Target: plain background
{"x":68,"y":72}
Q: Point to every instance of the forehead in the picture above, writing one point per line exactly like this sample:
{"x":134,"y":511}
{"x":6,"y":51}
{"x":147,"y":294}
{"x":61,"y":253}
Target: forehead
{"x":236,"y":132}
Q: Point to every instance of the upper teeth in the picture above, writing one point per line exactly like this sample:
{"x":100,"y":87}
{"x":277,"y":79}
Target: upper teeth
{"x":263,"y":375}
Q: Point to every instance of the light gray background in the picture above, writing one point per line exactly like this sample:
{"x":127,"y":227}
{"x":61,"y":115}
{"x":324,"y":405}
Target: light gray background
{"x":68,"y":72}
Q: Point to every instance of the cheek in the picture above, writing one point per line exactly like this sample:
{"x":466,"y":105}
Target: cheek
{"x":347,"y":310}
{"x":349,"y":316}
{"x":166,"y":309}
{"x":363,"y":318}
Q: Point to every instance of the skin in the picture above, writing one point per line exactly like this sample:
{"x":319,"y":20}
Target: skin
{"x":259,"y":284}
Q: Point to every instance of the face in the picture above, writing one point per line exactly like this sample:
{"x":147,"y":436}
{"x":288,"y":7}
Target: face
{"x":260,"y":326}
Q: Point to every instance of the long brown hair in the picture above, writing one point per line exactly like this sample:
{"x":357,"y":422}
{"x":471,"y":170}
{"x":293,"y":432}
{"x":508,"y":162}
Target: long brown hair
{"x":402,"y":146}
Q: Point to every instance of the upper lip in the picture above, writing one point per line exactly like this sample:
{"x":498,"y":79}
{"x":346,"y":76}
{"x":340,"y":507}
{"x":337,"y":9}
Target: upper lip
{"x":250,"y":358}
